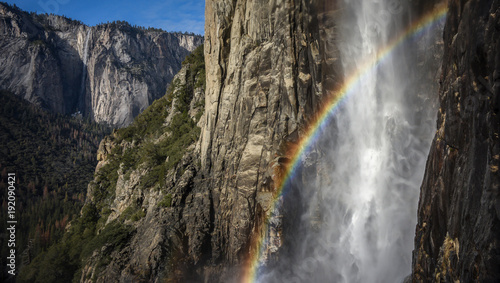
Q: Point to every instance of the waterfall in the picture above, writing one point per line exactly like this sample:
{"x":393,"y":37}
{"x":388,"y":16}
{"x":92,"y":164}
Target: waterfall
{"x":84,"y":60}
{"x":370,"y":227}
{"x":358,"y":204}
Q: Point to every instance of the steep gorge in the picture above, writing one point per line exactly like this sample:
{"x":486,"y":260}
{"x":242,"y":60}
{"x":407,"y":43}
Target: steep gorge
{"x":188,"y":215}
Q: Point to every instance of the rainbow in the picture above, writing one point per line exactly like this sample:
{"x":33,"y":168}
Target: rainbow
{"x":323,"y":117}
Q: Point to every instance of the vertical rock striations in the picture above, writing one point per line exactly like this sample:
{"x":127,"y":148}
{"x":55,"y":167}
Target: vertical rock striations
{"x":269,"y":64}
{"x":110,"y":72}
{"x":457,"y":235}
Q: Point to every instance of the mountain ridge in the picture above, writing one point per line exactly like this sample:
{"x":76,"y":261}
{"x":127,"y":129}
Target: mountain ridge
{"x":110,"y":72}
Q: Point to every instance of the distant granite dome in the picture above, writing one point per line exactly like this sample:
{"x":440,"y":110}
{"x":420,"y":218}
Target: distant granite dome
{"x":110,"y":72}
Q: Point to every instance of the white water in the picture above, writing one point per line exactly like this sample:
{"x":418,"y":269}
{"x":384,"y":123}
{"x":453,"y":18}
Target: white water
{"x":367,"y":205}
{"x":84,"y":60}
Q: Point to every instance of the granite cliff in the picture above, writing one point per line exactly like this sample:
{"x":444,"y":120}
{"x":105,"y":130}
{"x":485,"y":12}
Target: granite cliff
{"x":110,"y":72}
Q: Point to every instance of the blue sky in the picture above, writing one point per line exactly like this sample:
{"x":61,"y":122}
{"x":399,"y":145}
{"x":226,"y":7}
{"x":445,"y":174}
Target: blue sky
{"x":170,"y":15}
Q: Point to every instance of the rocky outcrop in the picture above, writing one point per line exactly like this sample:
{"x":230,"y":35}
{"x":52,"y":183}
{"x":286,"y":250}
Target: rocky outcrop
{"x":180,"y":194}
{"x":269,"y":66}
{"x":457,"y":235}
{"x":110,"y":72}
{"x":142,"y":220}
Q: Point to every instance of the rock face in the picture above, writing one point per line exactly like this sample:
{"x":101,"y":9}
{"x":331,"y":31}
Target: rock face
{"x":144,"y":219}
{"x":269,"y":65}
{"x":457,"y":235}
{"x":110,"y":72}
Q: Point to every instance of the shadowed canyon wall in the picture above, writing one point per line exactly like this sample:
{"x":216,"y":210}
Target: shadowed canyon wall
{"x":457,"y":235}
